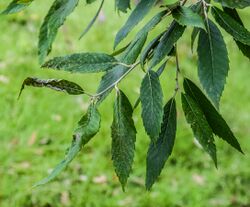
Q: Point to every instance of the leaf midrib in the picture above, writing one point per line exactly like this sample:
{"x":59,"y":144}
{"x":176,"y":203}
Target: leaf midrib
{"x":211,"y":49}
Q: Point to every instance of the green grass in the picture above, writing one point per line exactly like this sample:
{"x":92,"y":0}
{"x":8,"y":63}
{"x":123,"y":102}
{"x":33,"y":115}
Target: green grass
{"x":36,"y":130}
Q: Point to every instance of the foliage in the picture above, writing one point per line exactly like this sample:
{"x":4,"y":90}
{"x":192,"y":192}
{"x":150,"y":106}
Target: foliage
{"x":201,"y":110}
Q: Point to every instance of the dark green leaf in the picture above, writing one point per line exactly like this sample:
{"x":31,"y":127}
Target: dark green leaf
{"x":215,"y":120}
{"x":123,"y":138}
{"x":122,"y":5}
{"x":88,"y":126}
{"x":231,"y":26}
{"x":147,"y":52}
{"x":142,"y":8}
{"x":151,"y":24}
{"x":54,"y":19}
{"x":186,"y":16}
{"x":234,"y":3}
{"x":201,"y":129}
{"x":90,"y":1}
{"x":167,"y":42}
{"x":213,"y":62}
{"x":17,"y":6}
{"x":245,"y":49}
{"x":151,"y":99}
{"x":83,"y":63}
{"x":55,"y":84}
{"x":159,"y":152}
{"x":159,"y":72}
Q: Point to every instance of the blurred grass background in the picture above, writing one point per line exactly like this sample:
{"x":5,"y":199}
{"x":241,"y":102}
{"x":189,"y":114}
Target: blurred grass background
{"x":36,"y":130}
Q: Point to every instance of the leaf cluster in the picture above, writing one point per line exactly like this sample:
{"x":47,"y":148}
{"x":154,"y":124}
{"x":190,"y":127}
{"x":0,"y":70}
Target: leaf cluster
{"x":200,"y":106}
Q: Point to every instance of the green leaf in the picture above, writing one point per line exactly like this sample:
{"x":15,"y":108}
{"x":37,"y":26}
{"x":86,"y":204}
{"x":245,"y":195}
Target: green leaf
{"x":90,"y":1}
{"x":122,"y":5}
{"x":55,"y":84}
{"x":148,"y":50}
{"x":234,"y":3}
{"x":159,"y":152}
{"x":54,"y":19}
{"x":231,"y":26}
{"x":87,"y":128}
{"x":17,"y":6}
{"x":201,"y":129}
{"x":123,"y":138}
{"x":159,"y":71}
{"x":83,"y":63}
{"x":142,"y":8}
{"x":167,"y":42}
{"x":215,"y":120}
{"x":187,"y":17}
{"x":245,"y":49}
{"x":213,"y":62}
{"x":152,"y":109}
{"x":119,"y":51}
{"x":194,"y":35}
{"x":128,"y":57}
{"x":151,"y":24}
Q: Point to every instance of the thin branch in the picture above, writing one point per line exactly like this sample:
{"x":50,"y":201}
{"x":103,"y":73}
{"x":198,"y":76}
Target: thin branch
{"x":177,"y":86}
{"x":116,"y":82}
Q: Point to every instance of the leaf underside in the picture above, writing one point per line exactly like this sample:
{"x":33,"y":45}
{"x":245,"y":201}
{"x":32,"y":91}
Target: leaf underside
{"x":55,"y":84}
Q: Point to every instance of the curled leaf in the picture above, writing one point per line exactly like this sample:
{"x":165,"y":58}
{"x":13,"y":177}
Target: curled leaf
{"x":55,"y":84}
